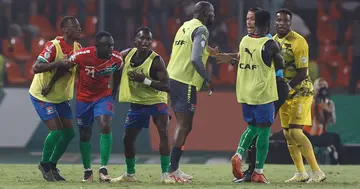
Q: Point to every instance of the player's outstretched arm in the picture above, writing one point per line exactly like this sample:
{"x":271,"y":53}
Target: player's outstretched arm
{"x":63,"y":68}
{"x":213,"y":51}
{"x":276,"y":54}
{"x":227,"y":58}
{"x":40,"y":67}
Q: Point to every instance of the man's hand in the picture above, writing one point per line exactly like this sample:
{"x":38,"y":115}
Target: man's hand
{"x":65,"y":64}
{"x":136,"y":76}
{"x":210,"y":87}
{"x":223,"y":58}
{"x":213,"y":51}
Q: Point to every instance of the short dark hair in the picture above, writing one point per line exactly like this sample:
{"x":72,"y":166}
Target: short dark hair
{"x":254,"y":9}
{"x":262,"y":18}
{"x":102,"y":34}
{"x":142,"y":28}
{"x":66,"y":20}
{"x":285,"y":11}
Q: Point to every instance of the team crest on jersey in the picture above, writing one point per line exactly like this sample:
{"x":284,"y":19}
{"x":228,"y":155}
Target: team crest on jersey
{"x":47,"y":55}
{"x":49,"y":110}
{"x":79,"y":121}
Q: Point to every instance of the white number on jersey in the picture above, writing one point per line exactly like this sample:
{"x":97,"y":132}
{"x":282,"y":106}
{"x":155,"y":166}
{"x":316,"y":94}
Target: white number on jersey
{"x":90,"y":71}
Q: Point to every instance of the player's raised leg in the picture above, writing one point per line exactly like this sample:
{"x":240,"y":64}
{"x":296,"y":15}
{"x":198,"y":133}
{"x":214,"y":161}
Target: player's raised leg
{"x":103,"y":112}
{"x":161,"y":121}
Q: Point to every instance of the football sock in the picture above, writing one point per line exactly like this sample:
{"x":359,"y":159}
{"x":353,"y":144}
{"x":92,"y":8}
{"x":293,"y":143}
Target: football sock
{"x":246,"y":138}
{"x":67,"y":134}
{"x":130,"y":165}
{"x":164,"y":161}
{"x":85,"y":149}
{"x":252,"y":155}
{"x":305,"y":147}
{"x":294,"y":152}
{"x":175,"y":158}
{"x":105,"y":148}
{"x":262,"y":147}
{"x":50,"y":142}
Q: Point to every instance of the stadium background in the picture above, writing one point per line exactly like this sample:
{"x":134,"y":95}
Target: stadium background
{"x":26,"y":25}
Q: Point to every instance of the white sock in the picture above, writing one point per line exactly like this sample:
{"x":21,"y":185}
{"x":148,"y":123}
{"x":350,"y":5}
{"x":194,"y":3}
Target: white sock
{"x":259,"y":171}
{"x":89,"y":169}
{"x":240,"y":156}
{"x":103,"y":166}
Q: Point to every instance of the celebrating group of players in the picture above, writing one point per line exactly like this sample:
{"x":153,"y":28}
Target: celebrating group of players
{"x":142,"y":79}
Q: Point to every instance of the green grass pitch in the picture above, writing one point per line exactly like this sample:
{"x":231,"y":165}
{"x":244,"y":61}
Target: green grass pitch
{"x":219,"y":176}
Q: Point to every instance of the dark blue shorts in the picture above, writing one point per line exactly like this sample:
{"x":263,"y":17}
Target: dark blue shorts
{"x":139,"y":115}
{"x":183,"y":97}
{"x":47,"y":111}
{"x":86,"y":112}
{"x":259,"y":114}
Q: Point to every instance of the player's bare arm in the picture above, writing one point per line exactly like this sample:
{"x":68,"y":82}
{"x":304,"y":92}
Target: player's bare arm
{"x":62,"y":69}
{"x":161,"y":73}
{"x":276,"y":54}
{"x":40,"y":66}
{"x":117,"y":74}
{"x":227,"y":58}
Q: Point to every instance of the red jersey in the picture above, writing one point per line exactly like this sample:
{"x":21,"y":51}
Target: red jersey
{"x":95,"y":73}
{"x":49,"y":52}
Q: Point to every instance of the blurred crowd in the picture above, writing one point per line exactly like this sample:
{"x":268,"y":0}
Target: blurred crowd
{"x":328,"y":25}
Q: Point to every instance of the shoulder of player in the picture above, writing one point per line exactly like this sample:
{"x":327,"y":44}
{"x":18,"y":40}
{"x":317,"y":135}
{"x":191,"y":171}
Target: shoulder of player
{"x":158,"y":62}
{"x":50,"y":46}
{"x":81,"y":52}
{"x":117,"y":55}
{"x":298,"y":39}
{"x":125,"y":52}
{"x":201,"y":30}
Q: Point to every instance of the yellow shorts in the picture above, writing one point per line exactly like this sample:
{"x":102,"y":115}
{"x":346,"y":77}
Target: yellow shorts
{"x":296,"y":111}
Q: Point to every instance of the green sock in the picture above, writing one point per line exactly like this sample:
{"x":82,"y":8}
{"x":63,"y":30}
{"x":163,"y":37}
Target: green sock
{"x":165,"y":163}
{"x":262,"y":147}
{"x":105,"y":148}
{"x":246,"y":139}
{"x":130,"y":165}
{"x":50,"y":142}
{"x":85,"y":149}
{"x":67,"y":134}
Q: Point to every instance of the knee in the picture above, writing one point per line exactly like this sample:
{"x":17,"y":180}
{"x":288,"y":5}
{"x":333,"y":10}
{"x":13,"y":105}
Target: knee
{"x":105,"y":127}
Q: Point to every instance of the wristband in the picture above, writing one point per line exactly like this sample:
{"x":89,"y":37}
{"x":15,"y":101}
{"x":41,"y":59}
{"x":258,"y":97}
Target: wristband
{"x":147,"y":81}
